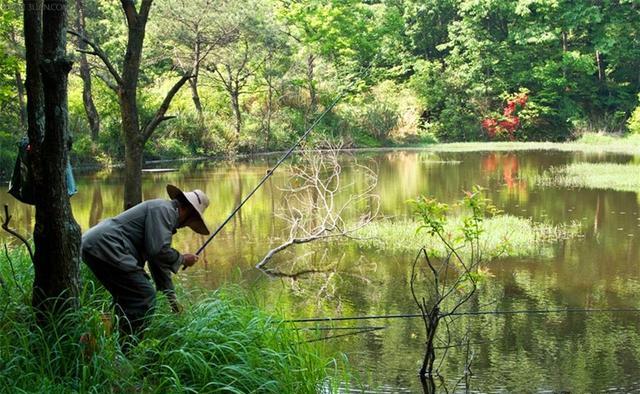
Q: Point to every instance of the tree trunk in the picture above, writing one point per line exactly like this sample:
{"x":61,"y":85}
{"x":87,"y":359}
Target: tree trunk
{"x":97,"y":207}
{"x":311,"y":83}
{"x":133,"y":173}
{"x":235,"y":102}
{"x":565,"y":48}
{"x":128,"y":94}
{"x":193,"y":82}
{"x":133,"y":146}
{"x":600,"y":63}
{"x":21,"y":103}
{"x":269,"y":80}
{"x":85,"y":74}
{"x":195,"y":96}
{"x":56,"y":234}
{"x":269,"y":111}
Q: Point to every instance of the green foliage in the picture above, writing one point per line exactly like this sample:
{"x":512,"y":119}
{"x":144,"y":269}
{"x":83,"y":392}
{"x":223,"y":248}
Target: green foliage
{"x":223,"y":342}
{"x":8,"y":153}
{"x":425,"y":70}
{"x":166,"y":148}
{"x":474,"y":208}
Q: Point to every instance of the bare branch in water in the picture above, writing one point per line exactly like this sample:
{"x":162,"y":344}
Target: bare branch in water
{"x":319,"y":205}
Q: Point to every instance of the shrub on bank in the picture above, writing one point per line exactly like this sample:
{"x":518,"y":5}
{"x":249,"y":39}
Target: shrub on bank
{"x":221,"y":343}
{"x":634,"y":121}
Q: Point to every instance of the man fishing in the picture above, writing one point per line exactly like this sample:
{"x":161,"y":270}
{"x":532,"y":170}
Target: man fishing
{"x":116,"y":250}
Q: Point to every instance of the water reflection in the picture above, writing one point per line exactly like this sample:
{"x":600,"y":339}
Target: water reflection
{"x":519,"y":353}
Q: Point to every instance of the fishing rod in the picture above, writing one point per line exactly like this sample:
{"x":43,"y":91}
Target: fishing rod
{"x":282,"y":159}
{"x":476,"y":313}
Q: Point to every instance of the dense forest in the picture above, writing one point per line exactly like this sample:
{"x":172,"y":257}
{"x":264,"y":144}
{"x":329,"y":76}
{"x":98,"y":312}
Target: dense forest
{"x":217,"y":76}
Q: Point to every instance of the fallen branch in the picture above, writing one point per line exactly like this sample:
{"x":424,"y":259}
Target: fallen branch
{"x":318,"y":205}
{"x":294,"y":275}
{"x":5,"y":227}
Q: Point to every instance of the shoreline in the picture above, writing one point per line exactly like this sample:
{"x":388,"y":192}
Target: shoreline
{"x":616,"y":145}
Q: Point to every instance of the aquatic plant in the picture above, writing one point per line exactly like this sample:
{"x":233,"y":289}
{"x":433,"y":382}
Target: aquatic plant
{"x":503,"y":236}
{"x":595,"y":143}
{"x":611,"y":176}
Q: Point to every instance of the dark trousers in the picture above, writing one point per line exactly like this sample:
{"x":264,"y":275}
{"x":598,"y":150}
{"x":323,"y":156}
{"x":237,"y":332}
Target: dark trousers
{"x":134,"y":296}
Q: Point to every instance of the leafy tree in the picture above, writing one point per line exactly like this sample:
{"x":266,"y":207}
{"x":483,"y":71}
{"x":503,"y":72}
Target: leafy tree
{"x":191,"y":31}
{"x":124,"y":83}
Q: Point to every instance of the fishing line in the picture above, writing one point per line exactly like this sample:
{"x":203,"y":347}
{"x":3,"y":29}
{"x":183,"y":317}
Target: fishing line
{"x":339,"y":328}
{"x":345,"y":335}
{"x":476,"y":313}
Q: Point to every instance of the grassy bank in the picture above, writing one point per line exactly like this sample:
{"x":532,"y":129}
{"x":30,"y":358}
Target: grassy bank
{"x":221,"y":343}
{"x":503,"y":236}
{"x":588,"y":142}
{"x":608,"y":176}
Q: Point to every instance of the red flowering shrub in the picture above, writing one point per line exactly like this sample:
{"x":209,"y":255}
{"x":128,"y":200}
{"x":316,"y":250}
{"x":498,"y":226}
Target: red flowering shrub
{"x":509,"y":122}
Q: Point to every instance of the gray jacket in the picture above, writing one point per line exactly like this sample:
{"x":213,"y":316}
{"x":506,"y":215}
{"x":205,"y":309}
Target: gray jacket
{"x":141,"y":233}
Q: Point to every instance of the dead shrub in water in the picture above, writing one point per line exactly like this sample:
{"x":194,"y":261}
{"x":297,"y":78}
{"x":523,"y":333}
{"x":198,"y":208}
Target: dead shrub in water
{"x":318,"y":205}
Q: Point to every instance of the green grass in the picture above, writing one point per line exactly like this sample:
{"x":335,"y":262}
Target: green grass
{"x":502,"y":236}
{"x":221,"y":343}
{"x":608,"y":176}
{"x":588,"y":142}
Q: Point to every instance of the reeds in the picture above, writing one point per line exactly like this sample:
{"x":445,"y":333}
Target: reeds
{"x":221,"y":343}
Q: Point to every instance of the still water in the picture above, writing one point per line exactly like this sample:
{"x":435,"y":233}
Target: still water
{"x":562,"y":352}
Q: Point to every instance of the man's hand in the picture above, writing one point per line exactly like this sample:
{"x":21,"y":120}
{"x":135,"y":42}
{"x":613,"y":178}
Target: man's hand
{"x":189,"y":260}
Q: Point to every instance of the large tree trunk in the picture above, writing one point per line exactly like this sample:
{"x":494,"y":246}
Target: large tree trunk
{"x":85,"y":74}
{"x":128,"y":93}
{"x":133,"y":174}
{"x":133,"y":146}
{"x":56,"y":234}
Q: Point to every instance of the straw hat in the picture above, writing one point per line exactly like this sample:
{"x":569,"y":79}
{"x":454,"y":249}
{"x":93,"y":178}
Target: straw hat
{"x":199,"y":201}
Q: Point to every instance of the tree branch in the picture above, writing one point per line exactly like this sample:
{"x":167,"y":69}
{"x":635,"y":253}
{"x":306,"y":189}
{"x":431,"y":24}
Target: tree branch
{"x":145,"y":7}
{"x":130,"y":13}
{"x":159,"y":116}
{"x":107,"y":82}
{"x":97,"y":51}
{"x":5,"y":227}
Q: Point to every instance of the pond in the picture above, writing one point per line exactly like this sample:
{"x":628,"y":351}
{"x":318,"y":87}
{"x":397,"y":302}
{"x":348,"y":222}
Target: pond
{"x":599,"y":268}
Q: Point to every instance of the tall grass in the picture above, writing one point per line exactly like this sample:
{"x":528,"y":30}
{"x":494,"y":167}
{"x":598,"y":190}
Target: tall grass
{"x":587,"y":143}
{"x":608,"y":176}
{"x":503,"y":236}
{"x":221,"y":343}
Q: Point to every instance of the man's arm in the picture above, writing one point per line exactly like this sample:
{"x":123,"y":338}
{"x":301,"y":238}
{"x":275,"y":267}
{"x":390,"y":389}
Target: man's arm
{"x":162,"y":278}
{"x":159,"y":225}
{"x":163,"y":259}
